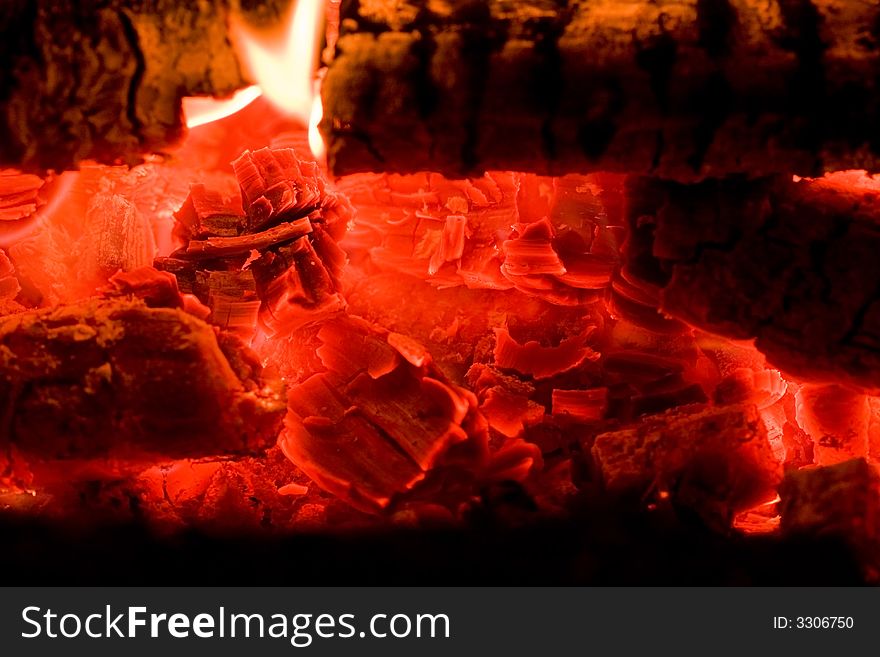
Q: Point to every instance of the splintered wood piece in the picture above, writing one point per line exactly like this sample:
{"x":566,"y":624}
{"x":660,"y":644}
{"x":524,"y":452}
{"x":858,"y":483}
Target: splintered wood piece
{"x":121,"y":377}
{"x":208,"y":213}
{"x":270,"y":254}
{"x":222,"y":247}
{"x":379,"y":417}
{"x":791,"y":264}
{"x":580,"y":405}
{"x":104,"y":80}
{"x":277,"y":185}
{"x":538,"y":361}
{"x":117,"y":236}
{"x":232,"y":298}
{"x":19,"y":195}
{"x":504,"y":400}
{"x":678,"y":89}
{"x":716,"y":461}
{"x":297,"y":284}
{"x":548,"y":237}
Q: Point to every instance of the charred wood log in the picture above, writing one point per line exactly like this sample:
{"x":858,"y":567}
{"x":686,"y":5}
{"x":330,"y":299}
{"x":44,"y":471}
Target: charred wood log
{"x":252,"y":495}
{"x":714,"y":461}
{"x":792,"y":264}
{"x":129,"y":376}
{"x":839,"y":417}
{"x":681,"y":89}
{"x":840,"y":501}
{"x":103,"y":79}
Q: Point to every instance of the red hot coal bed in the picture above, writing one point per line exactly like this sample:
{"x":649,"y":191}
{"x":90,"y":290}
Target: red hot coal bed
{"x":450,"y":291}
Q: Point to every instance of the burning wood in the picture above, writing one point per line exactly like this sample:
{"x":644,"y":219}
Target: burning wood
{"x":545,"y":237}
{"x":264,"y":494}
{"x":506,"y":401}
{"x":581,"y":405}
{"x":277,"y":186}
{"x":373,"y":417}
{"x":681,"y":90}
{"x":19,"y":195}
{"x":104,"y":81}
{"x":10,"y":288}
{"x":791,"y":264}
{"x":842,"y":501}
{"x":117,"y":237}
{"x":379,"y":417}
{"x":716,"y":461}
{"x":131,"y":376}
{"x":541,"y":362}
{"x":478,"y":350}
{"x":78,"y":240}
{"x":208,"y":212}
{"x":275,"y":245}
{"x":228,"y":495}
{"x":838,"y":419}
{"x":220,"y":247}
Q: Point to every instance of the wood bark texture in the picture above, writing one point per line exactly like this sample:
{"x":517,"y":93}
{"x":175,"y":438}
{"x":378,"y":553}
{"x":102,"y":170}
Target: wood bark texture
{"x":680,"y":89}
{"x":103,"y":79}
{"x":792,"y":265}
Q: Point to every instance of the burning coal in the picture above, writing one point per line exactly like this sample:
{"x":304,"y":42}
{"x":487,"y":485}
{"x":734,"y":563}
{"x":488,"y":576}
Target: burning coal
{"x":227,"y":337}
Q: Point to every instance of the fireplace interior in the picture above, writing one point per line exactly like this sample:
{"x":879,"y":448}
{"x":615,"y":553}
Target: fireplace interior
{"x":551,"y":291}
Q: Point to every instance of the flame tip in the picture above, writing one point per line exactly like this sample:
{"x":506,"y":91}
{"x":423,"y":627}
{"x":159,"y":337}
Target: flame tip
{"x":283,"y":64}
{"x":199,"y":110}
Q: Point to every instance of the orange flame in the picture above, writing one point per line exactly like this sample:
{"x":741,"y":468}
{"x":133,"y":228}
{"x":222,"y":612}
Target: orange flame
{"x":283,"y":62}
{"x":199,"y":110}
{"x":316,"y":141}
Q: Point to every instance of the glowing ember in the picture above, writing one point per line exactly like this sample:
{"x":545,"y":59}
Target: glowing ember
{"x":200,"y":110}
{"x":853,"y":178}
{"x":56,"y":191}
{"x":450,"y":335}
